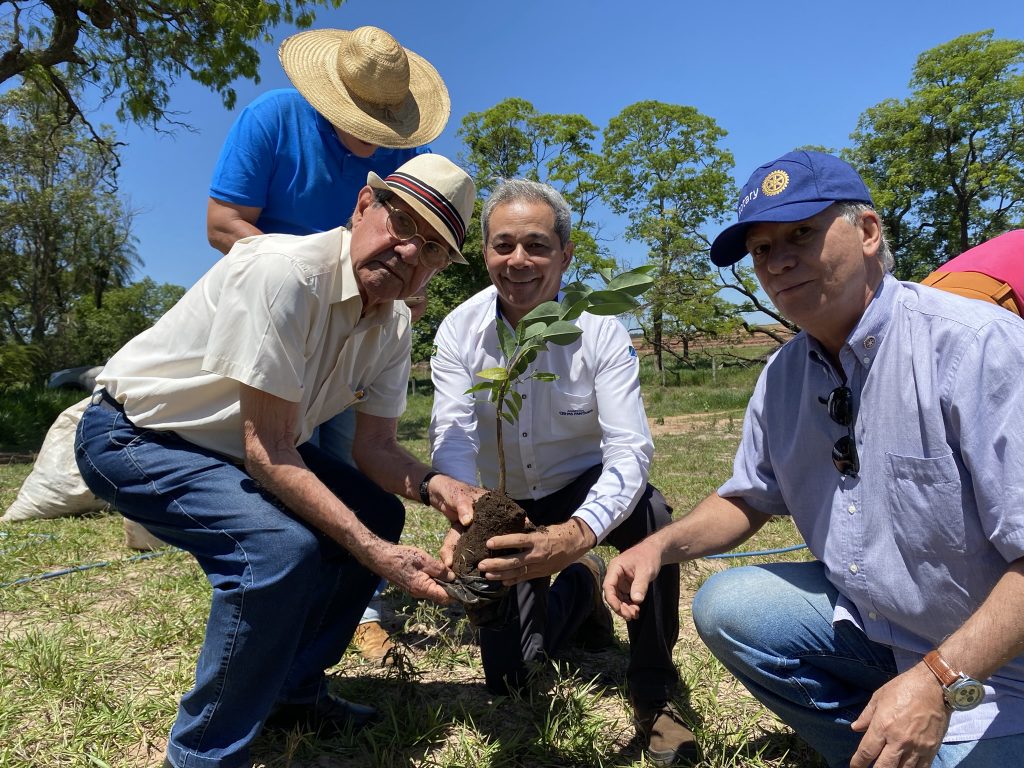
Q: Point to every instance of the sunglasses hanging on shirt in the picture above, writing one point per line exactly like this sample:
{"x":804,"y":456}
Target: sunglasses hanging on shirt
{"x":840,"y":409}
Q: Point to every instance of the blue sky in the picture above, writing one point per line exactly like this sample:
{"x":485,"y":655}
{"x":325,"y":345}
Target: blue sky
{"x":774,"y":75}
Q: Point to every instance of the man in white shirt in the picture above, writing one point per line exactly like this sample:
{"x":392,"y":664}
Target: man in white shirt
{"x":577,"y":461}
{"x":199,"y":432}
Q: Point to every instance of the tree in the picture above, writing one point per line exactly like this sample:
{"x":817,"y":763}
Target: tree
{"x":513,"y":140}
{"x":95,"y":333}
{"x":136,"y":50}
{"x":64,"y":233}
{"x":662,"y":167}
{"x":946,"y":164}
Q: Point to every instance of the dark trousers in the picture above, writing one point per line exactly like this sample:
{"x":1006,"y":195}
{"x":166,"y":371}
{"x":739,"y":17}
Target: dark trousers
{"x":546,"y":615}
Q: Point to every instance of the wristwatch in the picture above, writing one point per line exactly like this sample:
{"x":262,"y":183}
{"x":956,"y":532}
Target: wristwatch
{"x":425,"y":486}
{"x":960,"y":691}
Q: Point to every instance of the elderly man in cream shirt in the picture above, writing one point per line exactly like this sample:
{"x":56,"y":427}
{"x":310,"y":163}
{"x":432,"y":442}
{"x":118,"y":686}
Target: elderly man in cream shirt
{"x":198,"y":431}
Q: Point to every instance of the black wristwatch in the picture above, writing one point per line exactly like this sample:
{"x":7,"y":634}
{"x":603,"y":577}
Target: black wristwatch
{"x":960,"y":691}
{"x":425,"y":487}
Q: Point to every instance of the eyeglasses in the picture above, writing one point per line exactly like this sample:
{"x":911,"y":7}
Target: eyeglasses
{"x":402,"y":226}
{"x":840,"y":409}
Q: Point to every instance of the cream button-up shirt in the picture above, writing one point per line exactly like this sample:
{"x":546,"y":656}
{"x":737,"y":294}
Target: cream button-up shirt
{"x":280,"y":313}
{"x":592,"y":414}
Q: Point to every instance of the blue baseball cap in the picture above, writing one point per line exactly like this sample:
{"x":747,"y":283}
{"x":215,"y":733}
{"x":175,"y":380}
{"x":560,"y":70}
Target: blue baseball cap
{"x":795,"y":187}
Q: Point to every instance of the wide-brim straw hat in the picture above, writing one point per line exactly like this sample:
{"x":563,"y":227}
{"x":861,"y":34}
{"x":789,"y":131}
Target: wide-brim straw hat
{"x":368,"y":85}
{"x":439,"y":191}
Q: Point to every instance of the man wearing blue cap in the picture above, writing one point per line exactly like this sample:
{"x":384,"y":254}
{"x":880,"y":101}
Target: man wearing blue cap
{"x":889,"y":429}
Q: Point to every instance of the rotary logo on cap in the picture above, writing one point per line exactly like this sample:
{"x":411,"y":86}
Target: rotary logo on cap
{"x":775,"y":182}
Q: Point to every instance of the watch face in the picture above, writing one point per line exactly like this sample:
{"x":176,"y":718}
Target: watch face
{"x":965,"y":694}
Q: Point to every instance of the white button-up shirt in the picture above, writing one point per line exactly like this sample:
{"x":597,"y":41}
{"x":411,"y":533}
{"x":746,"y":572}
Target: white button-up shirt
{"x":280,"y":313}
{"x":592,"y":414}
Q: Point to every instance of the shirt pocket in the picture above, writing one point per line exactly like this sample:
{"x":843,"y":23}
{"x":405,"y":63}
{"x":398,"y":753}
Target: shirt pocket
{"x":572,"y":413}
{"x":925,"y":503}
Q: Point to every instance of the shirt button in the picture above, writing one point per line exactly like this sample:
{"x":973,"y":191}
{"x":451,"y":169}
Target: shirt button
{"x":866,"y":360}
{"x":524,"y":434}
{"x":853,"y":568}
{"x":872,"y":615}
{"x":529,"y":466}
{"x":869,"y":342}
{"x":852,"y":508}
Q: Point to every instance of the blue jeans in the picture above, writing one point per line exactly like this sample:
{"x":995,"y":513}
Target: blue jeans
{"x":336,"y":435}
{"x":771,"y":626}
{"x":286,"y":598}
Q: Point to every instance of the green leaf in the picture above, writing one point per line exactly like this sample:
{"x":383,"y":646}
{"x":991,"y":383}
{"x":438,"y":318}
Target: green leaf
{"x":505,"y":339}
{"x":507,"y":417}
{"x":530,"y":330}
{"x":548,"y":312}
{"x":631,"y":283}
{"x":517,"y":398}
{"x":494,"y":374}
{"x":544,"y":376}
{"x":480,"y":387}
{"x":611,"y":303}
{"x":511,"y":407}
{"x":574,"y":303}
{"x":562,"y":333}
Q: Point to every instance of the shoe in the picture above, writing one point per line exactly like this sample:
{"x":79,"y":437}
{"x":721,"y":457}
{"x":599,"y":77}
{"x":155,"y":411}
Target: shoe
{"x":668,"y":740}
{"x":374,"y":643}
{"x":596,"y":631}
{"x":328,"y":714}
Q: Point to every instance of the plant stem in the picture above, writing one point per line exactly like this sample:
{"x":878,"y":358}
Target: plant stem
{"x":501,"y":445}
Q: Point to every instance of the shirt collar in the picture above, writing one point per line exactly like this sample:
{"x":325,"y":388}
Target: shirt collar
{"x":866,"y":338}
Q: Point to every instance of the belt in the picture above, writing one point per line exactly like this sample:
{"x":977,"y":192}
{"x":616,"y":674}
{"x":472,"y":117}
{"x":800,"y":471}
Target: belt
{"x":103,"y":399}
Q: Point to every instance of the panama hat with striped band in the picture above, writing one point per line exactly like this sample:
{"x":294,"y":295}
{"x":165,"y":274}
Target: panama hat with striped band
{"x":368,"y":85}
{"x":439,"y":191}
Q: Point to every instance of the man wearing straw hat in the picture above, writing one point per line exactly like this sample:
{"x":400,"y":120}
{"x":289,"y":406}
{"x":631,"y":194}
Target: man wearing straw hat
{"x":199,"y":431}
{"x":363,"y":104}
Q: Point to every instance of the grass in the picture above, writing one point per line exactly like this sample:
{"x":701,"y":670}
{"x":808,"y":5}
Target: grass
{"x":92,"y":663}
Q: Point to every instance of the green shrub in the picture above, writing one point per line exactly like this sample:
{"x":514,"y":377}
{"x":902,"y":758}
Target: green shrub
{"x":27,"y":412}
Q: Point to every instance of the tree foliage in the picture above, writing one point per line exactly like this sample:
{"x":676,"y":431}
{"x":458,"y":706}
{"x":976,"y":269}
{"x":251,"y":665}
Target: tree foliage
{"x":94,"y":333}
{"x":64,"y":233}
{"x":946,"y":164}
{"x":135,"y":51}
{"x":663,"y":168}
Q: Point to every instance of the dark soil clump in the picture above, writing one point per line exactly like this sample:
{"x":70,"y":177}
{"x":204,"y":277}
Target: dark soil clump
{"x":493,"y":515}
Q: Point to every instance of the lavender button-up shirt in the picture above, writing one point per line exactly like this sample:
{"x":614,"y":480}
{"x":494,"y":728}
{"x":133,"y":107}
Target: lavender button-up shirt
{"x":916,"y":542}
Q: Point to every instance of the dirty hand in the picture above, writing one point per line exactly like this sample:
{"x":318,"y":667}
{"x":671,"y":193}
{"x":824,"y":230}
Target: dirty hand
{"x":414,"y":571}
{"x":628,"y":578}
{"x":453,"y":498}
{"x":903,"y":723}
{"x":540,"y":553}
{"x":451,"y":540}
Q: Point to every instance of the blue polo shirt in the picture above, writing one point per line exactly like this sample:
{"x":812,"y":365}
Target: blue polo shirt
{"x":282,"y":156}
